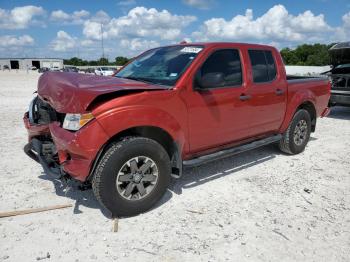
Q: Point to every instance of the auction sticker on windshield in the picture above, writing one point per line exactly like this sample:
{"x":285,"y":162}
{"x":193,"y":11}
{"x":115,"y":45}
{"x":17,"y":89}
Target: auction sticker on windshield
{"x":190,"y":49}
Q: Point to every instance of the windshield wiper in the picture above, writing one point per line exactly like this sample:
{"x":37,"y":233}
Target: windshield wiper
{"x":144,"y":80}
{"x":133,"y":78}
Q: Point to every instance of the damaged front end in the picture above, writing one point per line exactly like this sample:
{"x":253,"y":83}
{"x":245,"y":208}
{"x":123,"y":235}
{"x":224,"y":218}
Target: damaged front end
{"x":65,"y":136}
{"x":41,"y":147}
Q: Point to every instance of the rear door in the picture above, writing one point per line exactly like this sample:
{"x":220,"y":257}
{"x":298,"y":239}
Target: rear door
{"x":217,"y":116}
{"x":267,"y":88}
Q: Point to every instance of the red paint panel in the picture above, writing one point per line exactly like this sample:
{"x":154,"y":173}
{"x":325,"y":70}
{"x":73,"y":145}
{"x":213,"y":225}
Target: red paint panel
{"x":198,"y":121}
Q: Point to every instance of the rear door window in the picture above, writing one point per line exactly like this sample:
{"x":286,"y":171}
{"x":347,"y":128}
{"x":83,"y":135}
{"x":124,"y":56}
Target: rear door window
{"x":263,"y":64}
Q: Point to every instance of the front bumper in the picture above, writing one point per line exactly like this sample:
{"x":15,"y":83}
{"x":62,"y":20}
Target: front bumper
{"x":76,"y":150}
{"x":340,"y":98}
{"x":34,"y":149}
{"x":35,"y":130}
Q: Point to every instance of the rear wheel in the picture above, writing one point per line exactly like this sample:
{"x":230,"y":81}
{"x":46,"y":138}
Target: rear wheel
{"x":132,"y":176}
{"x":298,"y":133}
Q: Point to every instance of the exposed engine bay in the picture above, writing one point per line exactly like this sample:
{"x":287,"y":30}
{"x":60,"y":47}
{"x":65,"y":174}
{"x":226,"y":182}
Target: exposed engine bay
{"x":41,"y":113}
{"x":42,"y":149}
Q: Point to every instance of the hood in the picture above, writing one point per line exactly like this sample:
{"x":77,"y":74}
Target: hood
{"x":73,"y":92}
{"x":340,"y":54}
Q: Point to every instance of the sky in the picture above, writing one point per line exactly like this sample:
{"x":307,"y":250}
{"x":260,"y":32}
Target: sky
{"x":65,"y":28}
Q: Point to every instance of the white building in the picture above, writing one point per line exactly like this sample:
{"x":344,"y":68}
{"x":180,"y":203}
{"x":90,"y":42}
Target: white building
{"x":24,"y":63}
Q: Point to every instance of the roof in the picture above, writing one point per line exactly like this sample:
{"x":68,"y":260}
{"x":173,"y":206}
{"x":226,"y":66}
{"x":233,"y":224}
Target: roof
{"x":211,"y":44}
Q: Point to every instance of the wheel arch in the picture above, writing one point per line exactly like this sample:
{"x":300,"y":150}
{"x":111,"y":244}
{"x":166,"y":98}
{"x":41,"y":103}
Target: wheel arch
{"x":303,"y":99}
{"x":158,"y":134}
{"x":310,"y":108}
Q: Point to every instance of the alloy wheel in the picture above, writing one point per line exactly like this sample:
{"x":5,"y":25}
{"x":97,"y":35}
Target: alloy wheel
{"x":137,"y":178}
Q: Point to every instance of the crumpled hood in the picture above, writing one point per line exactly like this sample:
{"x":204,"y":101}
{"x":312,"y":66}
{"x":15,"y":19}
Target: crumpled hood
{"x":73,"y":92}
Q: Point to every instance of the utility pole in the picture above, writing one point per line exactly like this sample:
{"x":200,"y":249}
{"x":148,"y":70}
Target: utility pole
{"x":78,"y":51}
{"x":103,"y":50}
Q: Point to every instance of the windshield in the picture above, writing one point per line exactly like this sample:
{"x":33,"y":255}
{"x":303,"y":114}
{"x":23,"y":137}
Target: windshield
{"x":162,"y":65}
{"x":343,"y":66}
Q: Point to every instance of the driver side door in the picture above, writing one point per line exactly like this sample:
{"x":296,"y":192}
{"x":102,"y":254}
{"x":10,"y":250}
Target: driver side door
{"x":217,"y":113}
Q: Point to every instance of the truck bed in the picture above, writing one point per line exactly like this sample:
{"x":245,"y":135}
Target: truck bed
{"x":315,"y":88}
{"x":295,"y":77}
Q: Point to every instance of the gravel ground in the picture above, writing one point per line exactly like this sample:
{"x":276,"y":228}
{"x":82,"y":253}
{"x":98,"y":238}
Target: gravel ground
{"x":258,"y":206}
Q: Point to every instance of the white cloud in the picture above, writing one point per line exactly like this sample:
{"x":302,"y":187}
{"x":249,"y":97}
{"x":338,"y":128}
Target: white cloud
{"x":126,"y":3}
{"x":63,"y":42}
{"x":138,"y":44}
{"x":342,"y":33}
{"x":20,"y":17}
{"x":346,"y":20}
{"x":13,"y":41}
{"x":93,"y":30}
{"x":200,"y":4}
{"x":77,"y":17}
{"x":101,"y":17}
{"x":87,"y":43}
{"x":307,"y":22}
{"x":140,"y":22}
{"x":275,"y":25}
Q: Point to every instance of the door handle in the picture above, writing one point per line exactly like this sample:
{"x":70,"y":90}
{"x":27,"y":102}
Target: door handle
{"x":244,"y":97}
{"x":279,"y":92}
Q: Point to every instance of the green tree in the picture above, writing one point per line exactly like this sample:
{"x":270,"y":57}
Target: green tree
{"x":311,"y":55}
{"x":121,"y":60}
{"x":103,"y":61}
{"x":289,"y":57}
{"x":75,"y":61}
{"x":93,"y":63}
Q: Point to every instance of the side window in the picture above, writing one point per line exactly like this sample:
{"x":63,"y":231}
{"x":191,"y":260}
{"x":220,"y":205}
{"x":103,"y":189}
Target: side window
{"x":226,"y":63}
{"x":271,"y":67}
{"x":263,"y":64}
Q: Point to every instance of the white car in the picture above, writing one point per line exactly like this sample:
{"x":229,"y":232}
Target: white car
{"x":55,"y":69}
{"x":104,"y":71}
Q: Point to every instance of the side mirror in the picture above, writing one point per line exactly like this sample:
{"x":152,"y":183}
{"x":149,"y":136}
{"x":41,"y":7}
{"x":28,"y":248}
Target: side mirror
{"x":210,"y":80}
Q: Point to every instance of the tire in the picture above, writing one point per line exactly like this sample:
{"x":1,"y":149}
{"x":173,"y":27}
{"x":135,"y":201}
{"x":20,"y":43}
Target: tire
{"x":288,"y":143}
{"x":117,"y":161}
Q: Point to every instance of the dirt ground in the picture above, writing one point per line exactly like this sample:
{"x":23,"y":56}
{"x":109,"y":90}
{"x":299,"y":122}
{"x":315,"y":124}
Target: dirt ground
{"x":258,"y":206}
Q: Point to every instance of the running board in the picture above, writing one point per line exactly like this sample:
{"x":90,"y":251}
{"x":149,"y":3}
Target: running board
{"x":231,"y":151}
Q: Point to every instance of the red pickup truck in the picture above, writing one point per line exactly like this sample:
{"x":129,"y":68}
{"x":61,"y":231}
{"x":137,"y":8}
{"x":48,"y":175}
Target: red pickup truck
{"x":173,"y":106}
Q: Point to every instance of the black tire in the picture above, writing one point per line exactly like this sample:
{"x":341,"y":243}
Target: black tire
{"x":105,"y":177}
{"x":287,"y":143}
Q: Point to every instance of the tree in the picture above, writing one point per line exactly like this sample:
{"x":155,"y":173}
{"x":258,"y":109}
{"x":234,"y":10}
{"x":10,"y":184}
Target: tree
{"x":103,"y":61}
{"x":75,"y":61}
{"x":289,"y":57}
{"x":121,"y":60}
{"x":309,"y":55}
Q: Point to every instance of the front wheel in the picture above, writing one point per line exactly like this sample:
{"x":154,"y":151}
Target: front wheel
{"x":132,"y":176}
{"x":298,"y":133}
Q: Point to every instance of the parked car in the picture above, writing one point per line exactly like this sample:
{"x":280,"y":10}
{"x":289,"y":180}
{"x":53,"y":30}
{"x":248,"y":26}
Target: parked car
{"x":173,"y":106}
{"x":88,"y":70}
{"x":43,"y":69}
{"x":5,"y":67}
{"x":33,"y":68}
{"x":55,"y":68}
{"x":104,"y":71}
{"x":70,"y":69}
{"x":340,"y":74}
